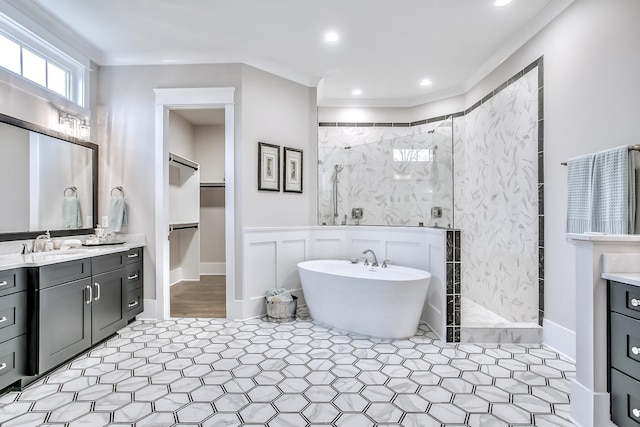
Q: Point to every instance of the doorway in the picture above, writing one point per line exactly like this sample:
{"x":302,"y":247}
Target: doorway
{"x":186,"y":104}
{"x":197,"y":213}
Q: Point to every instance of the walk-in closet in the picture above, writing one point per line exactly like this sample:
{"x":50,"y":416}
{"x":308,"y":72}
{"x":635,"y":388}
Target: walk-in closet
{"x":197,"y":213}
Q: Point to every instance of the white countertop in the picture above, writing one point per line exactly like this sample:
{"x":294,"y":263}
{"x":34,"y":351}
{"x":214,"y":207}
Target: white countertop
{"x":38,"y":259}
{"x":628,"y":278}
{"x":602,"y":237}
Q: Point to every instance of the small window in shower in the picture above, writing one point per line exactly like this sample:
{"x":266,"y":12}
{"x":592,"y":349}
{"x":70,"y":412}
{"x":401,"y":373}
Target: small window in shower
{"x":412,"y":154}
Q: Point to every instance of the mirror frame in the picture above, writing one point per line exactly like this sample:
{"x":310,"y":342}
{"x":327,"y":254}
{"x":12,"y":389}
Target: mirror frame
{"x":24,"y":235}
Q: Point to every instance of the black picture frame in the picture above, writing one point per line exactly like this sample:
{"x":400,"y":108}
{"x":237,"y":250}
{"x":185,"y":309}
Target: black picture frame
{"x":292,"y":176}
{"x":268,"y":167}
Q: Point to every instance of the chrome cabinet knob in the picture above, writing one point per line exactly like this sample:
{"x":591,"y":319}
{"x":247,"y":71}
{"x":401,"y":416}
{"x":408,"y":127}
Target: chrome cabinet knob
{"x":635,"y":350}
{"x":636,"y":412}
{"x":635,"y":302}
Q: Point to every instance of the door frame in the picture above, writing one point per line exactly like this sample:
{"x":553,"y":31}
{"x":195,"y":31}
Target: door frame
{"x":168,"y":99}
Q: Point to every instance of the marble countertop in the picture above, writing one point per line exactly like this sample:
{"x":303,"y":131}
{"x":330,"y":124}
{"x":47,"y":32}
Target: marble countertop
{"x":38,"y":259}
{"x":628,"y":278}
{"x":622,"y":267}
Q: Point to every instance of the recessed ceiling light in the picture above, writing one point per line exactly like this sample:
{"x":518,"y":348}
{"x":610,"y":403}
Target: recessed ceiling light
{"x":426,"y":82}
{"x":356,"y":92}
{"x":331,"y":37}
{"x":500,"y":3}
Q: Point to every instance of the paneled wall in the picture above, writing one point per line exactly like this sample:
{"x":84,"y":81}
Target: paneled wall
{"x":272,"y":254}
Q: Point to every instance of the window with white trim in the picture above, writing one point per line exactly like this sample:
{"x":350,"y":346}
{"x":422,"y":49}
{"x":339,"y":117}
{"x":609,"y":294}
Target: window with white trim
{"x":39,"y":64}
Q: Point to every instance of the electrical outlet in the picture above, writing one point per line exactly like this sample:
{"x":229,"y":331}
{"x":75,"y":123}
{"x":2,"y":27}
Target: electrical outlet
{"x":105,"y":221}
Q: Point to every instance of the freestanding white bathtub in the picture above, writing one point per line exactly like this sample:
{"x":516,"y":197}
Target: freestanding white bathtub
{"x":379,"y":302}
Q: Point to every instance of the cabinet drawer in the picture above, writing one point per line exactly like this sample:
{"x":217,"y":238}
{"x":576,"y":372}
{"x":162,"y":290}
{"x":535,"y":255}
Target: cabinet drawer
{"x":110,"y":262}
{"x":625,"y":299}
{"x":13,"y":355}
{"x":134,"y":255}
{"x":625,"y":344}
{"x":55,"y":274}
{"x":134,"y":303}
{"x":12,"y":281}
{"x":134,"y":276}
{"x":625,"y":400}
{"x":13,"y":316}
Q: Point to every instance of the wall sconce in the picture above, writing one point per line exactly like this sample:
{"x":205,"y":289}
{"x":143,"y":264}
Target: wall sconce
{"x":73,"y":126}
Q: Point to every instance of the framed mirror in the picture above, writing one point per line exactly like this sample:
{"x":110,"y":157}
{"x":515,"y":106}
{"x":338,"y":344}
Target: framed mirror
{"x":50,"y":182}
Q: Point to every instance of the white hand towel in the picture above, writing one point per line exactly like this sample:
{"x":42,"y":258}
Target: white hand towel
{"x":117,"y":213}
{"x":579,"y":179}
{"x":71,"y":215}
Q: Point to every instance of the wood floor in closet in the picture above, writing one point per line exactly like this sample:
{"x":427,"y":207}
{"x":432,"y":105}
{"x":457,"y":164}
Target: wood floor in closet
{"x":203,"y":298}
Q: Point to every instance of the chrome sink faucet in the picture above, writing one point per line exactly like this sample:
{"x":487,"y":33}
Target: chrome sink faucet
{"x":46,"y":237}
{"x":375,"y":260}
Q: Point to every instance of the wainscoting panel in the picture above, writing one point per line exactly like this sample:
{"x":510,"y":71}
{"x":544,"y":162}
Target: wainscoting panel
{"x":416,"y":247}
{"x":408,"y":254}
{"x":290,"y":253}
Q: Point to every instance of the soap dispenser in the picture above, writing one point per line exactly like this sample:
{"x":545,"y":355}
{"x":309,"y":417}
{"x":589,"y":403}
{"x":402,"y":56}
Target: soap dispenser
{"x":99,"y":232}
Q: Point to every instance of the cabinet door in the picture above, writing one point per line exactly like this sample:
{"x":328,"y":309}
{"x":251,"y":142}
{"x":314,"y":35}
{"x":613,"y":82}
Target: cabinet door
{"x":108,"y":308}
{"x":64,"y":323}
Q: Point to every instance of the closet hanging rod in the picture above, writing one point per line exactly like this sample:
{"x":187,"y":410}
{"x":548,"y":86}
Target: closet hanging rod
{"x":182,"y":161}
{"x":631,"y":148}
{"x":176,"y":227}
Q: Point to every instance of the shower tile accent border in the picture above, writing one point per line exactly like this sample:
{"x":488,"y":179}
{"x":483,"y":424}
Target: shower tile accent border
{"x":454,"y":263}
{"x":453,"y":296}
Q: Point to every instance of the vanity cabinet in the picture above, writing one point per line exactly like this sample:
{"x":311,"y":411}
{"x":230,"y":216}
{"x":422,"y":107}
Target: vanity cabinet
{"x":78,"y":304}
{"x":134,"y":298}
{"x":13,"y":326}
{"x":624,"y":353}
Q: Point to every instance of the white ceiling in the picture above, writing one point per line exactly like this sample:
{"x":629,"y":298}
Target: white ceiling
{"x":386,"y":47}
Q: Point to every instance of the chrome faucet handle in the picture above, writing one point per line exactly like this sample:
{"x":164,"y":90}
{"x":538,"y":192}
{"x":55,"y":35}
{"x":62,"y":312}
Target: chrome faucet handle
{"x":384,"y":263}
{"x":366,"y":261}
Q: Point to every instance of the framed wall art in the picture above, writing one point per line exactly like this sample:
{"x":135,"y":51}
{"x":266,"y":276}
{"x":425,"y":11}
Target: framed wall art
{"x":292,"y":177}
{"x":268,"y":167}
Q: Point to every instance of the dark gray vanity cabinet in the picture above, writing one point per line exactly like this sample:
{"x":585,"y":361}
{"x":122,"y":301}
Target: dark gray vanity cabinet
{"x":108,"y":308}
{"x":13,"y":326}
{"x":624,"y":353}
{"x":64,"y":322}
{"x":78,"y":304}
{"x":134,"y":283}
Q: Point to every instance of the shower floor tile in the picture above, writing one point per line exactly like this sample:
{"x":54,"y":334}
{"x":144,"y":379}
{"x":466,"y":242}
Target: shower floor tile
{"x":210,"y":372}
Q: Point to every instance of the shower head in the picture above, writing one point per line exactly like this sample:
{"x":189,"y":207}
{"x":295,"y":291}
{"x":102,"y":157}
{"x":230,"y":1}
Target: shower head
{"x":336,"y":170}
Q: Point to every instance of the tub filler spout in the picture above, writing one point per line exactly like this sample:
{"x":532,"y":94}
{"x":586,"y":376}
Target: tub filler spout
{"x":375,"y":260}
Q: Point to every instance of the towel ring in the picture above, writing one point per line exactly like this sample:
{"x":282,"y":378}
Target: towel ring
{"x":118,"y":188}
{"x":73,"y":189}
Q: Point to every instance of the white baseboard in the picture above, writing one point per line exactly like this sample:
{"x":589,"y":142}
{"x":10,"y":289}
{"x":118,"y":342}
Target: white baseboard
{"x":559,"y":339}
{"x":175,"y":276}
{"x":213,"y":268}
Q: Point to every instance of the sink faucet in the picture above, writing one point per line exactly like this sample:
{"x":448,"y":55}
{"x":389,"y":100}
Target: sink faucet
{"x":375,"y":260}
{"x":46,"y":237}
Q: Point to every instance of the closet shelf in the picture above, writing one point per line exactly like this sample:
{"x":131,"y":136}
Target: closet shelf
{"x":212,"y":184}
{"x":180,"y":161}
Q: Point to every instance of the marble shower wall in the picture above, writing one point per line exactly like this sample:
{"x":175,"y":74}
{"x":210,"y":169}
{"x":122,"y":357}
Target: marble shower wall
{"x":496,"y":200}
{"x":395,"y":174}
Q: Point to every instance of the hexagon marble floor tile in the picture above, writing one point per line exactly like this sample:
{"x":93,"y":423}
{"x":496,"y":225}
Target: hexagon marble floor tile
{"x":216,"y":372}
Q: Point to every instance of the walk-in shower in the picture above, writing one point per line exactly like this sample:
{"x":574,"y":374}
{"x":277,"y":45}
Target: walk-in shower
{"x":395,"y":176}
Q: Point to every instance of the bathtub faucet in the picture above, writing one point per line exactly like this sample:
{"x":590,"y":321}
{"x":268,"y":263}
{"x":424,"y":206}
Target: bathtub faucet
{"x":375,"y":260}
